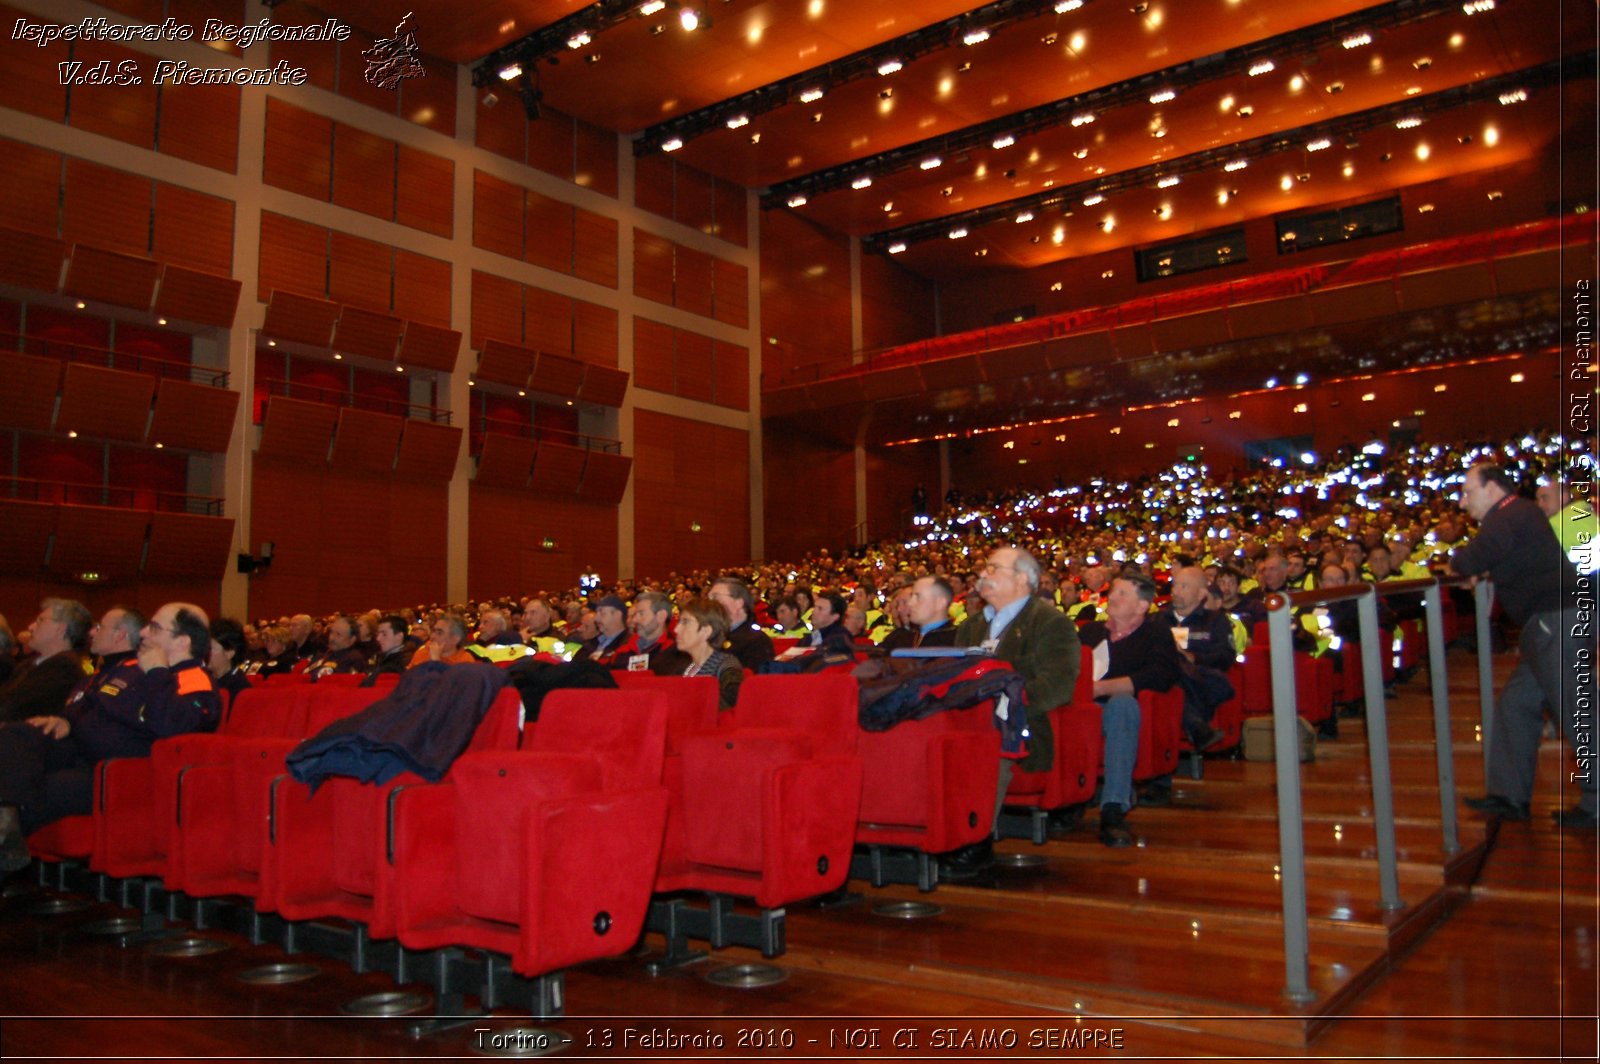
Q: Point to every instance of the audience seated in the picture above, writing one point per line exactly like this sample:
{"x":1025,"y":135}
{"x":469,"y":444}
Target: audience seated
{"x":702,"y":631}
{"x":746,"y":640}
{"x":447,"y":637}
{"x":41,"y":683}
{"x":226,"y":663}
{"x":342,"y":655}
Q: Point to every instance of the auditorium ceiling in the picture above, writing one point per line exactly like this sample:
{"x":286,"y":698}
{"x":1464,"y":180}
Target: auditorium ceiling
{"x":1043,"y":129}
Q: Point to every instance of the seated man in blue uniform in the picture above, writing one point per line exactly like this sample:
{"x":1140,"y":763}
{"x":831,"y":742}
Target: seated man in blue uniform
{"x":46,"y":763}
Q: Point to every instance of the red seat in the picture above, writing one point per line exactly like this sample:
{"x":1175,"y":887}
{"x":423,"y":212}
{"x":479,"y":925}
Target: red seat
{"x":136,"y":799}
{"x":932,"y":781}
{"x":221,"y":824}
{"x":1078,"y":742}
{"x":546,"y":854}
{"x":770,"y":804}
{"x":1160,"y":733}
{"x":691,"y":710}
{"x":327,"y":856}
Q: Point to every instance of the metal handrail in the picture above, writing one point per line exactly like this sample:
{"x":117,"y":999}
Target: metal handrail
{"x":83,"y":493}
{"x":484,"y":423}
{"x":318,"y":393}
{"x":1291,"y":827}
{"x":88,"y":354}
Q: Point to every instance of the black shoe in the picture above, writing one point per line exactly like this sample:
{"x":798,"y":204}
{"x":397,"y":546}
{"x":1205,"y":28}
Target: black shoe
{"x":1114,"y":827}
{"x":1496,"y":806}
{"x":1576,"y":817}
{"x":967,"y":862}
{"x":1205,"y":738}
{"x":14,"y":854}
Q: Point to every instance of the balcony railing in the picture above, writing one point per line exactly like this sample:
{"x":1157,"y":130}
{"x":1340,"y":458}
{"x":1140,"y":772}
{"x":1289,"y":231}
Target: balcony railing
{"x":71,"y":351}
{"x":73,"y":493}
{"x":315,"y":393}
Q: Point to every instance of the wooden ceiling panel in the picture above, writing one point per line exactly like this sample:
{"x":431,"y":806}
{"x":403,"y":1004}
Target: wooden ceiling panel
{"x":366,"y":333}
{"x":301,"y":318}
{"x":203,"y":298}
{"x":111,"y":277}
{"x":506,"y":363}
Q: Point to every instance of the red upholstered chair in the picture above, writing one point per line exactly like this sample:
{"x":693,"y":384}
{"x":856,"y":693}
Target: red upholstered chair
{"x":286,"y":679}
{"x":1078,"y":749}
{"x":546,"y":854}
{"x":1160,"y":733}
{"x":770,"y":803}
{"x":136,"y":799}
{"x":1229,"y":718}
{"x":930,"y":788}
{"x":327,"y":855}
{"x":691,"y":710}
{"x":221,"y":826}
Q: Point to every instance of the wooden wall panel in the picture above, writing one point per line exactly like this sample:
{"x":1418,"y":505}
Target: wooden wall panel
{"x":692,"y":374}
{"x":508,"y":529}
{"x":32,"y":179}
{"x":505,"y":461}
{"x":594,"y":256}
{"x":200,"y":123}
{"x":496,"y":215}
{"x":652,"y":267}
{"x":107,"y":208}
{"x":691,"y":288}
{"x":896,"y":304}
{"x":425,"y":192}
{"x":294,"y":257}
{"x":193,"y":229}
{"x":111,"y":277}
{"x":730,"y":383}
{"x":298,"y":150}
{"x":315,"y":56}
{"x":25,"y":529}
{"x":32,"y":74}
{"x":672,"y":495}
{"x":104,"y":403}
{"x":596,"y":159}
{"x":731,"y":213}
{"x":297,"y":430}
{"x":503,"y":130}
{"x":363,"y":171}
{"x":694,"y":197}
{"x":594,"y":333}
{"x":121,"y":112}
{"x":430,"y":101}
{"x":549,"y":141}
{"x":548,"y":229}
{"x":824,"y":511}
{"x":28,"y":400}
{"x":546,"y":320}
{"x":421,"y":288}
{"x":805,"y":293}
{"x":99,"y":539}
{"x":193,"y":546}
{"x":496,"y":309}
{"x":731,"y":283}
{"x":366,"y":440}
{"x":652,"y":355}
{"x":360,"y":272}
{"x":653,"y":176}
{"x":193,"y":417}
{"x":351,"y":82}
{"x":428,"y":450}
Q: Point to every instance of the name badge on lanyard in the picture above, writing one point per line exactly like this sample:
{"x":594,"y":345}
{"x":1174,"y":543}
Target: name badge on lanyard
{"x":639,"y":663}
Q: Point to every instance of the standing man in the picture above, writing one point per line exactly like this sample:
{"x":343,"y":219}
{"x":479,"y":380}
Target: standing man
{"x":1038,"y":641}
{"x":1534,"y":581}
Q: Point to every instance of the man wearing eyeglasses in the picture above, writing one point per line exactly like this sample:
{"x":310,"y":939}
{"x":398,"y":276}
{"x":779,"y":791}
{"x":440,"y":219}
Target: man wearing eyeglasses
{"x":42,"y":684}
{"x":1038,"y":641}
{"x":47,"y":763}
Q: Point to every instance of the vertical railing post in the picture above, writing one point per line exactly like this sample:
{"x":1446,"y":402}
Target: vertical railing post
{"x":1372,"y":651}
{"x":1482,"y":602}
{"x":1291,"y":830}
{"x":1433,"y":607}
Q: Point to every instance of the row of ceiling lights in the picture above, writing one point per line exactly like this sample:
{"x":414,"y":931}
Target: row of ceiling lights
{"x":1254,"y":58}
{"x":1508,"y":89}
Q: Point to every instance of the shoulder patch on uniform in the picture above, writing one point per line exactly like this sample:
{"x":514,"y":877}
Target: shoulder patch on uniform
{"x":191,"y":681}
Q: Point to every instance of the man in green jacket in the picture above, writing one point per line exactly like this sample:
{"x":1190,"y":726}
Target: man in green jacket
{"x":1038,"y":641}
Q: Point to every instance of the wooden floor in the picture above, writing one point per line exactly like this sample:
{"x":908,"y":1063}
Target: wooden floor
{"x":1171,"y":949}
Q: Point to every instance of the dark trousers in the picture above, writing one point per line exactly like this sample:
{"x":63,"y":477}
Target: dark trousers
{"x":47,"y":779}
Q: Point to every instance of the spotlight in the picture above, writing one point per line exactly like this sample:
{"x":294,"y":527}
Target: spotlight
{"x":689,"y":19}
